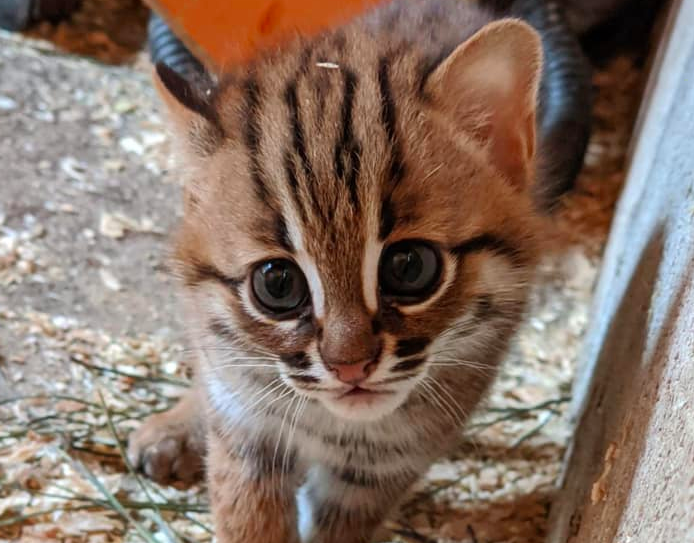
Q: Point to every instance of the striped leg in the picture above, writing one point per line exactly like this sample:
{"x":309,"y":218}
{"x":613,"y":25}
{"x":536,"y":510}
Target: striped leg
{"x":251,"y":493}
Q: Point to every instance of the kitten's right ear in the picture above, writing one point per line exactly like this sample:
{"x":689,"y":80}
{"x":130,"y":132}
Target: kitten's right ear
{"x":185,"y":101}
{"x":488,"y":86}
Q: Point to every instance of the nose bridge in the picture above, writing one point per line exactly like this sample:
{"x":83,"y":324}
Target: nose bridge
{"x":348,"y":337}
{"x":347,"y":332}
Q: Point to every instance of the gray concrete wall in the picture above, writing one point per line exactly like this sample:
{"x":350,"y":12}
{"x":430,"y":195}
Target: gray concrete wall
{"x":630,"y":478}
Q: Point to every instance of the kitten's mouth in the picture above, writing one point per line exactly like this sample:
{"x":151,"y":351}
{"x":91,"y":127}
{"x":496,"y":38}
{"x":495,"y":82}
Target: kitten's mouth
{"x":363,"y":404}
{"x":361,"y":392}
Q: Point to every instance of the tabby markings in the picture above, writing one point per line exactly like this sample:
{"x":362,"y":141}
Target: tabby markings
{"x":297,"y":360}
{"x":411,"y":346}
{"x":251,"y":135}
{"x":409,"y":364}
{"x":388,"y":117}
{"x":488,"y":242}
{"x":199,"y":272}
{"x":291,"y":99}
{"x":347,"y":149}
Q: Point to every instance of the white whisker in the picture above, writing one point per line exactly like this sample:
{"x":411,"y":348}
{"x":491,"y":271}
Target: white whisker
{"x":435,"y":400}
{"x":292,"y":430}
{"x":280,"y":397}
{"x":277,"y":385}
{"x":223,"y":366}
{"x":462,"y":415}
{"x":279,"y":434}
{"x":450,"y":409}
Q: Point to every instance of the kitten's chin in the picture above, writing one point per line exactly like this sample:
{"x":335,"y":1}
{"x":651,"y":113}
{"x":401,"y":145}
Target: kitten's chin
{"x":364,"y":408}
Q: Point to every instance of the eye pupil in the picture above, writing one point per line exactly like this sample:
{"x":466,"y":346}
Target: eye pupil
{"x":278,"y":281}
{"x":407,"y":266}
{"x":409,"y":270}
{"x":279,"y":288}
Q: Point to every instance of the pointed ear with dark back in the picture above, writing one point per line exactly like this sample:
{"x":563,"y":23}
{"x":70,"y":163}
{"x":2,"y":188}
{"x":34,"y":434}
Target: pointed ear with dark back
{"x":488,"y":87}
{"x":188,"y":103}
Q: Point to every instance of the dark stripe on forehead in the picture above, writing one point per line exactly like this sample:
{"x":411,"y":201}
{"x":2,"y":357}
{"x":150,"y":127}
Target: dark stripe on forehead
{"x":282,"y":234}
{"x":353,"y":175}
{"x":489,"y":242}
{"x":387,"y":218}
{"x":251,"y":92}
{"x":292,"y":100}
{"x":299,"y":144}
{"x":347,"y":150}
{"x":389,"y":120}
{"x":292,"y":179}
{"x":348,"y":104}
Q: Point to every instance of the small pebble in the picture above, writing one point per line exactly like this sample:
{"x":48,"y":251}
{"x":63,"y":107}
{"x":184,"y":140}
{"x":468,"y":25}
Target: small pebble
{"x":131,"y":145}
{"x":109,"y":280}
{"x":7,"y":103}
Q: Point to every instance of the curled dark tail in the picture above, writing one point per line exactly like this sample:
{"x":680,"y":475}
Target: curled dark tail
{"x":564,"y":120}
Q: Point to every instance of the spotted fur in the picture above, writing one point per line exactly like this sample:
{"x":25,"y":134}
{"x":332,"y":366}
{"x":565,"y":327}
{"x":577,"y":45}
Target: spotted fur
{"x":325,"y":153}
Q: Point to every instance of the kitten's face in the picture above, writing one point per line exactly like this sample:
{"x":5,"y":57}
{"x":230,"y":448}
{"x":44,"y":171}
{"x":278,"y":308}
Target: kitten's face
{"x":344,"y":235}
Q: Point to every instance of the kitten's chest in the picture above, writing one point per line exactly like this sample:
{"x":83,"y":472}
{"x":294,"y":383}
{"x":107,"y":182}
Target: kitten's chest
{"x":394,"y":445}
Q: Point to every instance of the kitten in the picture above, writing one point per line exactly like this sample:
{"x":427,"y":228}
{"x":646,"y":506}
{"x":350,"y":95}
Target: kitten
{"x":358,"y":242}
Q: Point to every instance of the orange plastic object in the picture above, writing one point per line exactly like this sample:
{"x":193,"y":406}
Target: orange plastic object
{"x":226,"y":32}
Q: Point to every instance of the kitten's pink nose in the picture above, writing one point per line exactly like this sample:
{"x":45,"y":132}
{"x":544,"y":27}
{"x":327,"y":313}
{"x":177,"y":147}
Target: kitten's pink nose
{"x":353,"y":373}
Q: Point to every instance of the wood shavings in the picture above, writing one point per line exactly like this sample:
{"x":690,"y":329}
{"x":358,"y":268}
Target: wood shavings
{"x":73,"y":168}
{"x":132,"y":145}
{"x":109,"y":280}
{"x":7,"y":103}
{"x":115,"y":225}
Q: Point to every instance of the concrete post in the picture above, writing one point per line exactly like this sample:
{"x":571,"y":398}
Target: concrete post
{"x":630,"y":476}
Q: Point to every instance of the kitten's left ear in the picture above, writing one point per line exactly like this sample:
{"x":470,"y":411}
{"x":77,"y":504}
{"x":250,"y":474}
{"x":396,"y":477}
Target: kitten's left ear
{"x":185,"y":100}
{"x":488,"y":87}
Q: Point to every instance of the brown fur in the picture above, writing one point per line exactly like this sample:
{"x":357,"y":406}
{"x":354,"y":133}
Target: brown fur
{"x":409,"y":138}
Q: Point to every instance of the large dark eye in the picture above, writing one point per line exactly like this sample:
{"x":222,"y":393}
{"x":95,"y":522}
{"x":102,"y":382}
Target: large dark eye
{"x":409,"y":270}
{"x":279,"y":287}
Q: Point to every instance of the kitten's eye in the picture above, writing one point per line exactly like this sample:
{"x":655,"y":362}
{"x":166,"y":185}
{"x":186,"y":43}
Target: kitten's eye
{"x":409,"y":270}
{"x":279,"y":287}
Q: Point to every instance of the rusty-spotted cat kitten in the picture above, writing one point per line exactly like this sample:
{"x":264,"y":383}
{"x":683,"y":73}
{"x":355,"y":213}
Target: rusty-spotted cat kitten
{"x":359,"y":237}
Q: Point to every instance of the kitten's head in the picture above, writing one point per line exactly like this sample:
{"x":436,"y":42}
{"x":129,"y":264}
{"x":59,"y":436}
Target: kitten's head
{"x":358,"y":223}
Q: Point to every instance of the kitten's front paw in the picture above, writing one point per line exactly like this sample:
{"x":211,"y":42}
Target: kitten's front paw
{"x":166,"y":448}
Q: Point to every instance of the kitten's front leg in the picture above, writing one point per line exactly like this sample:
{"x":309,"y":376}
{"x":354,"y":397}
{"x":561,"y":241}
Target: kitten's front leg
{"x":171,"y":445}
{"x":252,"y":493}
{"x":347,"y":505}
